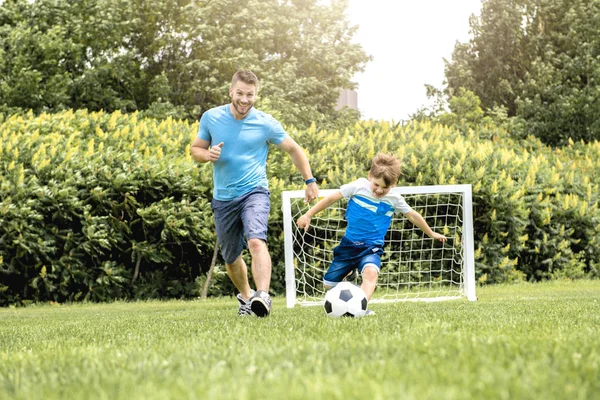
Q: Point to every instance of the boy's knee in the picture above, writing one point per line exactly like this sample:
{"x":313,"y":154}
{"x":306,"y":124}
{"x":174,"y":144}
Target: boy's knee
{"x":370,"y":272}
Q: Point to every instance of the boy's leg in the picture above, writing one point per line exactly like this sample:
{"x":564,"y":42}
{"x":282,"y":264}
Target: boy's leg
{"x":370,"y":273}
{"x":351,"y":277}
{"x":341,"y":265}
{"x":370,"y":265}
{"x":335,"y":274}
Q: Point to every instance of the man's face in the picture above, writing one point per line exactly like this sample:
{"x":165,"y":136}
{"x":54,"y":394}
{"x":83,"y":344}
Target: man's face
{"x":378,"y":187}
{"x":243,"y":96}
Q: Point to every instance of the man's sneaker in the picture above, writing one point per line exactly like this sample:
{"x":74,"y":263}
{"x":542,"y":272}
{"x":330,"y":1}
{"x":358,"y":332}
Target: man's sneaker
{"x":260,"y":303}
{"x":370,"y":312}
{"x":244,"y":305}
{"x":351,"y":277}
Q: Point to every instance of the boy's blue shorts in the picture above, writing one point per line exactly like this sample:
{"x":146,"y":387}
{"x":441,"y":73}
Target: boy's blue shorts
{"x":349,"y":255}
{"x":241,"y":219}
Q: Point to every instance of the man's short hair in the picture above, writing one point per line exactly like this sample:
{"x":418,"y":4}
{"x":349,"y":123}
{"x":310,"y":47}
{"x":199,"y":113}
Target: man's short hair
{"x":246,"y":76}
{"x":387,"y":167}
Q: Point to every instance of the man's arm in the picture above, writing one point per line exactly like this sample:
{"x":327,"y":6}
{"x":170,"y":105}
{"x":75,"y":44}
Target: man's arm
{"x":301,"y":162}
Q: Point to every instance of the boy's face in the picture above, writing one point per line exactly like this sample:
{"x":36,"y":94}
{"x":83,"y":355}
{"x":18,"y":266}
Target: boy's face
{"x":378,"y":187}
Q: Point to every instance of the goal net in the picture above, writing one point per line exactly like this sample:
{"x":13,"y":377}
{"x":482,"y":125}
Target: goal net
{"x":413,"y":266}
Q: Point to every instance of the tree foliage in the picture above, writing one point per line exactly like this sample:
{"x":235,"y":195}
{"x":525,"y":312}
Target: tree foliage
{"x":537,"y":59}
{"x":560,"y":98}
{"x":176,"y":57}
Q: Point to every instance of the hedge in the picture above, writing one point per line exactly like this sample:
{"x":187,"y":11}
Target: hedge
{"x":98,"y":206}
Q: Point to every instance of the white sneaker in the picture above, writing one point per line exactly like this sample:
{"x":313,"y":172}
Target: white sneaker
{"x":260,"y":303}
{"x":245,"y":308}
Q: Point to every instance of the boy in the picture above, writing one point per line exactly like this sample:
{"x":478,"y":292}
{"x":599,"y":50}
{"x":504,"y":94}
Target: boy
{"x":369,"y":213}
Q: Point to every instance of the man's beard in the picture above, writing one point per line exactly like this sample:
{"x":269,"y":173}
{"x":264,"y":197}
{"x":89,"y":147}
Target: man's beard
{"x":238,"y":108}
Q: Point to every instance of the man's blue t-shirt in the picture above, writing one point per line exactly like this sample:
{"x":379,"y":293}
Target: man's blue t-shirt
{"x":242,"y":165}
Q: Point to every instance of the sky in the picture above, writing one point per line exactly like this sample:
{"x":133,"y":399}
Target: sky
{"x":408,"y":40}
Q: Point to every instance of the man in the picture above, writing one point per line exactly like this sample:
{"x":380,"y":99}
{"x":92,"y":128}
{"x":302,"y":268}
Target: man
{"x":235,"y":138}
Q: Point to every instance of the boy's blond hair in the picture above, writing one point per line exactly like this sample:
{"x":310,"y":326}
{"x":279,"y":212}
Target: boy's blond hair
{"x":387,"y":167}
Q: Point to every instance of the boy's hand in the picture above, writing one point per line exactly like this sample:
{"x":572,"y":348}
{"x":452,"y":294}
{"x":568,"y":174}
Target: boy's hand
{"x":439,"y":237}
{"x":303,"y":222}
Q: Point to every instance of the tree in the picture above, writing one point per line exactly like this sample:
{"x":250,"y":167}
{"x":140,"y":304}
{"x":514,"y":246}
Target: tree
{"x":559,"y":96}
{"x":539,"y":60}
{"x":176,"y":56}
{"x":494,"y":62}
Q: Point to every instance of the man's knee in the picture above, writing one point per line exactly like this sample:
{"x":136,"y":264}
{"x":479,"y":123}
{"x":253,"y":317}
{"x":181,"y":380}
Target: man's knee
{"x":237,"y":263}
{"x":256,"y":245}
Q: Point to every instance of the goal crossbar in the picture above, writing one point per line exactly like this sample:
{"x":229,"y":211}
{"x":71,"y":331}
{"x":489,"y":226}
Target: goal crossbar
{"x":414,"y":267}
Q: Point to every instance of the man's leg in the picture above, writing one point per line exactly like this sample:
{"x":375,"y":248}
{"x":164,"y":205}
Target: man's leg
{"x":238,"y":273}
{"x":261,"y":271}
{"x":255,"y":217}
{"x":230,"y":231}
{"x":261,"y":264}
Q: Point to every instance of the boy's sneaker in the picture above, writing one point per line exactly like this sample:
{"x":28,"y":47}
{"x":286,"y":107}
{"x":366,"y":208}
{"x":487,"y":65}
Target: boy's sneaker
{"x":260,"y":303}
{"x":245,"y":308}
{"x":370,"y":312}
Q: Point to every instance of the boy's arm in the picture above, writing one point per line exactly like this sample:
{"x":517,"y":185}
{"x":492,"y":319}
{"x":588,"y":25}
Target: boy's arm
{"x":304,"y":221}
{"x":419,"y":221}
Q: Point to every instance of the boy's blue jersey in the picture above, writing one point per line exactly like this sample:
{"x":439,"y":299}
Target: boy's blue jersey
{"x":242,"y":164}
{"x":369,"y":217}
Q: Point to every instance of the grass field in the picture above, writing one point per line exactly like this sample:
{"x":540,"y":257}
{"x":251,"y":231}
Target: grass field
{"x":527,"y":341}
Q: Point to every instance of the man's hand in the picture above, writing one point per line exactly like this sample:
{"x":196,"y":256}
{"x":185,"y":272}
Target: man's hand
{"x":311,"y":192}
{"x":215,"y":152}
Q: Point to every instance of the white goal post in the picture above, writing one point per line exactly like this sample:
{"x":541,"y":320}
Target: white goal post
{"x":413,"y":266}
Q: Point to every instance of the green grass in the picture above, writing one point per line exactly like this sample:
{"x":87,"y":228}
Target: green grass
{"x":527,"y":341}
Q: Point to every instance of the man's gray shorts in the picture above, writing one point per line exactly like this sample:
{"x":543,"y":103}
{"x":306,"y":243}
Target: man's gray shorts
{"x":241,"y":219}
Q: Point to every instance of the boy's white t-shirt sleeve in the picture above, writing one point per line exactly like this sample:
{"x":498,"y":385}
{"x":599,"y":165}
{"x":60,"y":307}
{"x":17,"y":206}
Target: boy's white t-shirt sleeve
{"x":348,"y":190}
{"x":400,"y":205}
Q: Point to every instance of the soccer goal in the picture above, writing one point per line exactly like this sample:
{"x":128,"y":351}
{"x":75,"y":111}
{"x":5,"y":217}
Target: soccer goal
{"x":413,"y":266}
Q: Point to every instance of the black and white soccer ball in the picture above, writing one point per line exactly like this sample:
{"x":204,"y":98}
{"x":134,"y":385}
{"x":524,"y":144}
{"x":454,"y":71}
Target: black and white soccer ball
{"x":345,"y":300}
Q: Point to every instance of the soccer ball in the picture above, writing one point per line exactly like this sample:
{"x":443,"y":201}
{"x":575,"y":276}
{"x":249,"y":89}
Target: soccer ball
{"x":345,"y":300}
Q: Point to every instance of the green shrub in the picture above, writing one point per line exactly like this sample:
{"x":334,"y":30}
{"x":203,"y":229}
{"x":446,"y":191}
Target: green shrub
{"x":99,"y":206}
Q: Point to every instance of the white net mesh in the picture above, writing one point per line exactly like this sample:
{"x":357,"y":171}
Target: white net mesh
{"x":413,"y":266}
